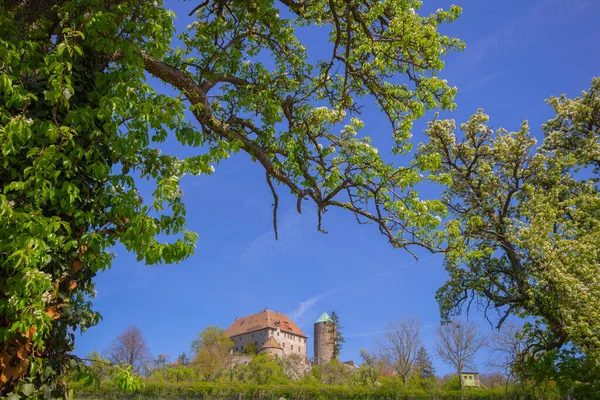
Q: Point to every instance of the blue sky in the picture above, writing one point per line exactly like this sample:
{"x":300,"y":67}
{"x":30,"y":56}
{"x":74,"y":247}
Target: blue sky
{"x":518,"y":54}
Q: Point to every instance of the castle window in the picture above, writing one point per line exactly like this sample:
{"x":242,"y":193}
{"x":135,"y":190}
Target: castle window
{"x":292,"y":347}
{"x":284,"y":345}
{"x":242,"y":348}
{"x":236,"y":349}
{"x":299,"y":349}
{"x":253,"y":335}
{"x":277,"y":333}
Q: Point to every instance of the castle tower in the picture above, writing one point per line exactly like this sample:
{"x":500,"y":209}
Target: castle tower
{"x":323,"y":340}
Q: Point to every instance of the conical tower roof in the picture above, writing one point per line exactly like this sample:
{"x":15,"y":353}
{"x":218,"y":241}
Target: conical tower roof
{"x":271,"y":343}
{"x":323,"y":318}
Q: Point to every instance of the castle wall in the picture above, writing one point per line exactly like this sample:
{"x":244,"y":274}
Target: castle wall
{"x":291,"y":344}
{"x":323,"y":344}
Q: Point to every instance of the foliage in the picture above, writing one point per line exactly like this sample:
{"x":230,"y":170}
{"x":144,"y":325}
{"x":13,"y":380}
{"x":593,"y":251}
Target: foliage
{"x":212,"y":350}
{"x":100,"y":367}
{"x":265,"y":370}
{"x":173,"y":374}
{"x":294,"y":366}
{"x":183,"y":359}
{"x":80,"y":127}
{"x":526,"y":225}
{"x":161,"y":361}
{"x":425,"y":369}
{"x":301,"y":392}
{"x":251,"y":348}
{"x":334,"y":372}
{"x":334,"y":329}
{"x":68,"y":191}
{"x":371,"y":368}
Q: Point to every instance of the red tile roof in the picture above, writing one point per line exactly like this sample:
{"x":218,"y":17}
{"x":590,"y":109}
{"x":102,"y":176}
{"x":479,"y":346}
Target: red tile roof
{"x":262,"y":320}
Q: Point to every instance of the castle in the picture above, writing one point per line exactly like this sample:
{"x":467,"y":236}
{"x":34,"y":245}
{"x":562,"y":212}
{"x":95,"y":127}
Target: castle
{"x":276,"y":334}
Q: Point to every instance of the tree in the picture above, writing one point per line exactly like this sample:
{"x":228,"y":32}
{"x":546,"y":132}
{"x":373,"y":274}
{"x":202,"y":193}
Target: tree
{"x":100,"y":366}
{"x":130,"y":348}
{"x":264,"y":370}
{"x":294,"y":366}
{"x":335,"y":333}
{"x":401,"y":343}
{"x":371,"y":367}
{"x":525,"y":225}
{"x":334,"y":372}
{"x":79,"y":128}
{"x":251,"y":348}
{"x":507,"y":348}
{"x":457,"y":344}
{"x":211,"y":350}
{"x":182,"y":359}
{"x":424,"y":366}
{"x":179,"y":373}
{"x":161,"y":361}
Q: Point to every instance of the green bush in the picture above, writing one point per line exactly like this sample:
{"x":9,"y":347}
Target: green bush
{"x":237,"y":391}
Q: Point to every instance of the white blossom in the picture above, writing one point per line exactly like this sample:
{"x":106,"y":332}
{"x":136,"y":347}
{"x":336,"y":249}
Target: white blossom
{"x":46,"y":297}
{"x":12,"y":300}
{"x":67,"y":93}
{"x":29,"y":121}
{"x":212,"y":169}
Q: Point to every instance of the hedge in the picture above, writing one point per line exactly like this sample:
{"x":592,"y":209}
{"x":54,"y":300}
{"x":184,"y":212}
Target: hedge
{"x":236,"y":391}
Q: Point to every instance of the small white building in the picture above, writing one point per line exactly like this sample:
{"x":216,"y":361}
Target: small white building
{"x":470,"y":379}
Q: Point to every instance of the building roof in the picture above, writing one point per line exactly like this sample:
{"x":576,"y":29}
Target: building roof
{"x":271,"y":343}
{"x":323,"y":318}
{"x":263,"y":320}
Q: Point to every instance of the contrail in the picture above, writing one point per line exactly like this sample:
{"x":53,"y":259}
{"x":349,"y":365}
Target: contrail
{"x":311,"y":301}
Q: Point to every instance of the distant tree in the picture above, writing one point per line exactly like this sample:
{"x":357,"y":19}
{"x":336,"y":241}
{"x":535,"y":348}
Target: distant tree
{"x":335,"y":332}
{"x":179,"y":373}
{"x":161,"y":361}
{"x":98,"y":365}
{"x":130,"y":348}
{"x":251,"y":349}
{"x":182,"y":359}
{"x":371,"y":367}
{"x":424,"y":364}
{"x":264,"y":370}
{"x":401,"y":343}
{"x":457,"y":344}
{"x":335,"y":372}
{"x":212,"y":350}
{"x":294,"y":366}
